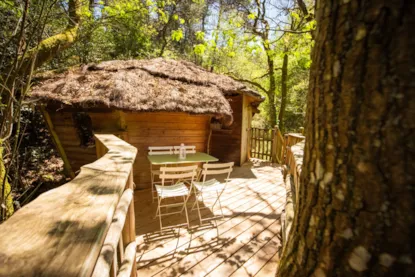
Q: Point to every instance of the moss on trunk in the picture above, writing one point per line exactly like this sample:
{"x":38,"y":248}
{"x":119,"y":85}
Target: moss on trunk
{"x":5,"y":187}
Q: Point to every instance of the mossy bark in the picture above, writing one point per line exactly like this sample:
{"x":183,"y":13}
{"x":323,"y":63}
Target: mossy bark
{"x":5,"y":188}
{"x":45,"y":50}
{"x":356,"y":212}
{"x":50,"y":47}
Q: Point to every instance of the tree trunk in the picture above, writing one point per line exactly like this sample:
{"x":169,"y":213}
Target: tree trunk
{"x":50,"y":47}
{"x":213,"y":61}
{"x":356,"y":212}
{"x":272,"y":112}
{"x":284,"y":74}
{"x":7,"y":210}
{"x":44,"y":51}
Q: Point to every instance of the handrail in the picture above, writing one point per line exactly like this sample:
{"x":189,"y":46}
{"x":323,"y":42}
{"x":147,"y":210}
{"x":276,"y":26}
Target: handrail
{"x":291,"y":139}
{"x":62,"y":232}
{"x":278,"y":146}
{"x":293,"y":165}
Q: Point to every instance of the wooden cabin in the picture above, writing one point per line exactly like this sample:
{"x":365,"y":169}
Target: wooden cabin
{"x":146,"y":103}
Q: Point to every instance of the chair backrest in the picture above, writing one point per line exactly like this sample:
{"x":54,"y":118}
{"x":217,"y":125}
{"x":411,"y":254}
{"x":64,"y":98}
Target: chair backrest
{"x":178,"y":173}
{"x":217,"y":169}
{"x":190,"y":149}
{"x":160,"y":150}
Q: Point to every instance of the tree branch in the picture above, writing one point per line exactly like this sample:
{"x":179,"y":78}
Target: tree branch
{"x":51,"y":46}
{"x":247,"y":81}
{"x":304,"y":10}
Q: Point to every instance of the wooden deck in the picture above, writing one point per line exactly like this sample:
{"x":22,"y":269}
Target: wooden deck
{"x":245,"y":243}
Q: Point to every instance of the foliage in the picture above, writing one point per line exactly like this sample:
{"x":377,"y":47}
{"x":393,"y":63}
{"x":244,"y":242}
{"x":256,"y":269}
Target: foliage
{"x":245,"y":39}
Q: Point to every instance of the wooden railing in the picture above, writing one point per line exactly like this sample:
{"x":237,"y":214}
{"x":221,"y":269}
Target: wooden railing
{"x":293,"y":164}
{"x":266,"y":144}
{"x":291,"y":139}
{"x":83,"y":228}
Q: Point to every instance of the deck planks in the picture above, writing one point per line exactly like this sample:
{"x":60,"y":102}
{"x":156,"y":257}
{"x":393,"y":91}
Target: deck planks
{"x":245,"y":243}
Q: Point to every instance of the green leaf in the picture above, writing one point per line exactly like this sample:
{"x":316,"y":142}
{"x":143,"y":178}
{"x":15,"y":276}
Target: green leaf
{"x":295,"y":16}
{"x":230,"y":42}
{"x":200,"y":35}
{"x":251,"y":16}
{"x":177,"y":35}
{"x":199,"y":49}
{"x":231,"y":54}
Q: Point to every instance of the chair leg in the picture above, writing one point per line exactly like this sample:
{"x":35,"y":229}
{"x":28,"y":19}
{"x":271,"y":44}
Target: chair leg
{"x":197,"y":195}
{"x":185,"y":210}
{"x":152,"y":187}
{"x":198,"y":211}
{"x":159,"y":213}
{"x":220,"y":204}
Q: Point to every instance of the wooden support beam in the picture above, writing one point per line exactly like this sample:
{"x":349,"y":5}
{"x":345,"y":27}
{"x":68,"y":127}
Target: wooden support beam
{"x":128,"y":233}
{"x":128,"y":265}
{"x":122,"y":123}
{"x":57,"y":142}
{"x":103,"y":266}
{"x":68,"y":225}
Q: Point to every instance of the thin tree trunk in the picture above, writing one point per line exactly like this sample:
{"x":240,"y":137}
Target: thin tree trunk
{"x":284,"y":74}
{"x":213,"y":61}
{"x":272,"y":112}
{"x":356,"y":212}
{"x":7,"y":210}
{"x":33,"y":58}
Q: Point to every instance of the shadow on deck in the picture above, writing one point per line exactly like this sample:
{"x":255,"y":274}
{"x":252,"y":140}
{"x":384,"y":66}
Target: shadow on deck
{"x":245,"y":243}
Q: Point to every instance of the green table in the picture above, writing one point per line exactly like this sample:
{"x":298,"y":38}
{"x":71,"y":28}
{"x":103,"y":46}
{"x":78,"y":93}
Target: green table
{"x":198,"y":157}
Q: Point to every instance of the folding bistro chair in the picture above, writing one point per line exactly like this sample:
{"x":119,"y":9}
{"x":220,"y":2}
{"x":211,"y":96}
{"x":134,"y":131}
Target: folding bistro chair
{"x":211,"y":186}
{"x":179,"y":190}
{"x":157,"y":150}
{"x":190,"y":149}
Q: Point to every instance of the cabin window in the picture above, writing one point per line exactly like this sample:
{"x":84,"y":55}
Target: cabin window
{"x":83,"y":125}
{"x":215,"y":124}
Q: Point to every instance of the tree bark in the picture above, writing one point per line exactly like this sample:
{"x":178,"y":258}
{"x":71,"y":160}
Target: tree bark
{"x":356,"y":212}
{"x":50,"y":47}
{"x":271,"y":92}
{"x":284,"y":74}
{"x":5,"y":190}
{"x":216,"y":40}
{"x":45,"y":50}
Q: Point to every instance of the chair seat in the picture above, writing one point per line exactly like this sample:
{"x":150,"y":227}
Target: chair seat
{"x":209,"y":185}
{"x":178,"y":189}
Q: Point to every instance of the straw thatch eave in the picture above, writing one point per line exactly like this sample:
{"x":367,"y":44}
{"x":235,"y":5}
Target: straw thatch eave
{"x":143,"y":85}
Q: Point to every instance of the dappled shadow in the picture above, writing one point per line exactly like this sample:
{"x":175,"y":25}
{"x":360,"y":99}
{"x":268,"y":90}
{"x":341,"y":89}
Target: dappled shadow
{"x":72,"y":233}
{"x":252,"y":203}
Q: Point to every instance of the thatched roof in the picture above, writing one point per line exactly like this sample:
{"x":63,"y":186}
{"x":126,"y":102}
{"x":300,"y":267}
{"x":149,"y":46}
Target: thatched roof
{"x":142,"y":85}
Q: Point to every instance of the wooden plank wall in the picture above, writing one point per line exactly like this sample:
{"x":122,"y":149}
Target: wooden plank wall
{"x":163,"y":129}
{"x":226,"y":144}
{"x":68,"y":135}
{"x":142,"y":130}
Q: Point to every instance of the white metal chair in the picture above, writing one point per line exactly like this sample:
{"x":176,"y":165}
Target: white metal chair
{"x":211,"y":186}
{"x":190,"y":149}
{"x":157,"y":150}
{"x":175,"y":190}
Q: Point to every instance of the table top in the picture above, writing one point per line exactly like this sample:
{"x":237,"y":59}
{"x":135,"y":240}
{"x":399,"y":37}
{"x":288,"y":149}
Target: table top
{"x":197,"y":157}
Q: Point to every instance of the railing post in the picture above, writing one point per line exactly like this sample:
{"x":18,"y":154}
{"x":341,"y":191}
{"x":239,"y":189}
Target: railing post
{"x":248,"y":144}
{"x":274,"y":144}
{"x":284,"y":150}
{"x":128,"y":233}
